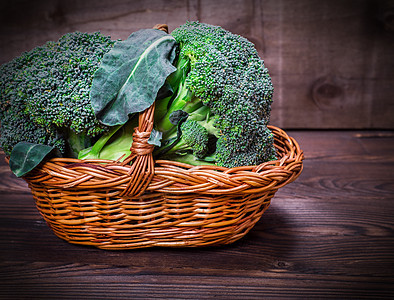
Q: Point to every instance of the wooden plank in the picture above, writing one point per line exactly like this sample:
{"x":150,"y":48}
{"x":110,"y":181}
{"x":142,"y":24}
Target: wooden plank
{"x":327,"y":235}
{"x":103,"y":282}
{"x":26,"y":24}
{"x":331,"y":65}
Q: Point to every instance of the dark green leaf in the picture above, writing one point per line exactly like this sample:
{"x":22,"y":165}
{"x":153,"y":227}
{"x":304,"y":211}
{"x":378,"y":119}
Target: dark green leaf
{"x":155,"y":138}
{"x":26,"y":156}
{"x":131,"y":74}
{"x":165,"y":91}
{"x":178,"y":116}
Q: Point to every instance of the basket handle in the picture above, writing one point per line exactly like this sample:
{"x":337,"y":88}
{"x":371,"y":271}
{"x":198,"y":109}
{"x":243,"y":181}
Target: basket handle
{"x":140,"y":159}
{"x":162,"y":27}
{"x":142,"y":167}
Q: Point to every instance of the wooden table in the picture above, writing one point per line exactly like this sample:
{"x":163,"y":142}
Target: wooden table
{"x":330,"y":234}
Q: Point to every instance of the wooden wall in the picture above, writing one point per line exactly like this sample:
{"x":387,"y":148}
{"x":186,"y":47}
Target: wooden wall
{"x":331,"y":61}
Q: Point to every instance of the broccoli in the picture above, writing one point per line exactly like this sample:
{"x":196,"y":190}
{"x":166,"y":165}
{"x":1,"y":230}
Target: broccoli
{"x":112,"y":145}
{"x":213,"y":108}
{"x":17,"y":126}
{"x":191,"y":136}
{"x":222,"y":84}
{"x":44,"y":93}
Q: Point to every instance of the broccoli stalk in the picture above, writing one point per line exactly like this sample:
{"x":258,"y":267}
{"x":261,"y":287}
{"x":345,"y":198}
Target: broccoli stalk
{"x":173,"y":83}
{"x":191,"y":134}
{"x":114,"y":144}
{"x":76,"y":142}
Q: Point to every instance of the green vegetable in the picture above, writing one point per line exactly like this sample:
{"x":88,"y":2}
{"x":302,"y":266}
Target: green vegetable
{"x":222,"y":84}
{"x":47,"y":94}
{"x":44,"y":93}
{"x":112,"y":145}
{"x":81,"y":95}
{"x":191,"y":137}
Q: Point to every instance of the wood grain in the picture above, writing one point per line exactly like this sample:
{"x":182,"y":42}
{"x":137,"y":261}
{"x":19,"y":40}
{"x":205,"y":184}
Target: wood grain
{"x":330,"y":61}
{"x":330,"y":234}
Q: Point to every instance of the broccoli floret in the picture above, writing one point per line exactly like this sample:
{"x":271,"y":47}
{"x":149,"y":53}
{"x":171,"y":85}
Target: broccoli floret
{"x":16,"y":126}
{"x":45,"y":93}
{"x":15,"y":122}
{"x":191,"y":138}
{"x":221,"y":79}
{"x":62,"y":75}
{"x":194,"y":136}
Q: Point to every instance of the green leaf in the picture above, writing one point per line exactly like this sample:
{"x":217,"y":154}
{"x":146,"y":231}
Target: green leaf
{"x":155,"y":138}
{"x":178,"y":116}
{"x":131,"y":74}
{"x":26,"y":156}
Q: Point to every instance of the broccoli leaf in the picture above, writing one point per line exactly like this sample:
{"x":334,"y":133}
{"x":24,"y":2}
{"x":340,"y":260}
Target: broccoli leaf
{"x":155,"y":138}
{"x":26,"y":156}
{"x":178,"y":116}
{"x":131,"y":74}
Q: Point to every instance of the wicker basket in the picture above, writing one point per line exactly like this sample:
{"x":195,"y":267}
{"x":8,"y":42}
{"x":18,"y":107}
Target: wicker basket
{"x":144,"y":203}
{"x":141,"y":203}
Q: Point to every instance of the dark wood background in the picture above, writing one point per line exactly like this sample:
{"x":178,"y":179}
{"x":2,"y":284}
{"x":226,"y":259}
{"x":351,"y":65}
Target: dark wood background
{"x":331,"y":61}
{"x":330,"y":234}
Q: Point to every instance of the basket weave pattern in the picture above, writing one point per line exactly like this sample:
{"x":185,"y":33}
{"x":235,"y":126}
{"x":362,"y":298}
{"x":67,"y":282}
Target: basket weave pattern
{"x":142,"y":203}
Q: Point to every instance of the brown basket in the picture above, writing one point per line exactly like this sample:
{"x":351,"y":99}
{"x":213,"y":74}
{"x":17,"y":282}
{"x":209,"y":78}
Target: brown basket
{"x":142,"y":203}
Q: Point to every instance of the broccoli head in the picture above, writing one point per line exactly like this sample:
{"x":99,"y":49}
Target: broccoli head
{"x":44,"y":93}
{"x":221,"y":81}
{"x":15,"y":122}
{"x":59,"y":80}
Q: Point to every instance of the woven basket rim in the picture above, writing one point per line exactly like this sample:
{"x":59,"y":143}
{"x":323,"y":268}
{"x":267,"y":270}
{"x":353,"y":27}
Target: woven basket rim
{"x":176,"y":177}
